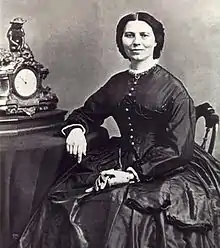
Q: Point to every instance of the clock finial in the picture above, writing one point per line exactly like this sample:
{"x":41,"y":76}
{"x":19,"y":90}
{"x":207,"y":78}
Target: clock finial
{"x":16,"y":35}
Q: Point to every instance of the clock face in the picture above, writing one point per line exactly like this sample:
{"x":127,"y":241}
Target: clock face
{"x":25,"y":83}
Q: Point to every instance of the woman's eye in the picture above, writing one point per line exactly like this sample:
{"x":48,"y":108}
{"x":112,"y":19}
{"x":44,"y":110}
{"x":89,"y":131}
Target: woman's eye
{"x":129,"y":35}
{"x":144,"y":35}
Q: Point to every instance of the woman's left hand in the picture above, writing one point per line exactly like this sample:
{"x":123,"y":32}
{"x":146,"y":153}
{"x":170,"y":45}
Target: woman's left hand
{"x":112,"y":177}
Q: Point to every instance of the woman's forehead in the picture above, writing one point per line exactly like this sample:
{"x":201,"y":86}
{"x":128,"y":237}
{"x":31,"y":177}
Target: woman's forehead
{"x":137,"y":26}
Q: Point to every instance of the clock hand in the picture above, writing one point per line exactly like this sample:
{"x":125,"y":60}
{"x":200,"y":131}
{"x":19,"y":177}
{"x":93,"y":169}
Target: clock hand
{"x":23,"y":80}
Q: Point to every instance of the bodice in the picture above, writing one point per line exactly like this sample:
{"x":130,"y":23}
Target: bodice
{"x":153,"y":111}
{"x":143,"y":111}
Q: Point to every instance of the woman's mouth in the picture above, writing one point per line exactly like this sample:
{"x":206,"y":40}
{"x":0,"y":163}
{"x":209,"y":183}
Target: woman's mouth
{"x":136,"y":50}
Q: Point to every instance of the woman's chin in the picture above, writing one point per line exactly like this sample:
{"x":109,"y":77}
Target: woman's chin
{"x":138,"y":58}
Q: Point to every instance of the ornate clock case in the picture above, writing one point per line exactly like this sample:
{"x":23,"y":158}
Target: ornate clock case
{"x":26,"y":105}
{"x":21,"y":76}
{"x":21,"y":89}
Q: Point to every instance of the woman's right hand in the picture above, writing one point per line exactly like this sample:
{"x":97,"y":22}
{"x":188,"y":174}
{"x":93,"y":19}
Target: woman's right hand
{"x":76,"y":143}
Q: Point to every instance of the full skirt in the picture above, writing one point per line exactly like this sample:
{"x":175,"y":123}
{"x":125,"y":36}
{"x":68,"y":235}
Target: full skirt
{"x":181,"y":210}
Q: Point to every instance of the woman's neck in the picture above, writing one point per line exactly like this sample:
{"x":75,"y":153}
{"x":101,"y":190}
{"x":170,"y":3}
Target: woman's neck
{"x":141,"y":66}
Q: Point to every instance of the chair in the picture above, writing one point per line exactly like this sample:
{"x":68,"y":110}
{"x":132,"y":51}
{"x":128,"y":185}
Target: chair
{"x":206,"y":111}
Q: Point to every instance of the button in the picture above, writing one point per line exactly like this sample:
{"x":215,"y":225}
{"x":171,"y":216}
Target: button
{"x":135,"y":82}
{"x":129,"y":117}
{"x":132,"y":143}
{"x":129,"y":124}
{"x":131,"y":136}
{"x":132,"y":89}
{"x":131,"y":129}
{"x":127,"y":109}
{"x":129,"y":94}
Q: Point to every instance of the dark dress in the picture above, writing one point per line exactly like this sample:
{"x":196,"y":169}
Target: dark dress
{"x":176,"y":202}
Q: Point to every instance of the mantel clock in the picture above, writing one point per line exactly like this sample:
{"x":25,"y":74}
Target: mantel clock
{"x":21,"y":76}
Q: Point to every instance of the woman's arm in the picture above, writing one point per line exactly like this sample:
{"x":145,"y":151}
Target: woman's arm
{"x":92,"y":114}
{"x":85,"y":119}
{"x":175,"y":149}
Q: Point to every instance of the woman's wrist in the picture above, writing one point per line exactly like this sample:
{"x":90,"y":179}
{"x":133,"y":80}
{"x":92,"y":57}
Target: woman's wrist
{"x":133,"y":173}
{"x":67,"y":129}
{"x":131,"y":176}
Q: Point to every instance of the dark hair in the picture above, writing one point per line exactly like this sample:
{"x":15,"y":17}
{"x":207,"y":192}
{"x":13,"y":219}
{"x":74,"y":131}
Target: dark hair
{"x":156,"y":26}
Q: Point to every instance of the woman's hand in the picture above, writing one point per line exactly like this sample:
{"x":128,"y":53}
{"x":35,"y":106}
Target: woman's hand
{"x":76,"y":143}
{"x":112,"y":177}
{"x":117,"y":176}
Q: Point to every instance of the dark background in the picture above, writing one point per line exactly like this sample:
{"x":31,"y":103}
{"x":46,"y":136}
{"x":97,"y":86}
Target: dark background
{"x":75,"y":40}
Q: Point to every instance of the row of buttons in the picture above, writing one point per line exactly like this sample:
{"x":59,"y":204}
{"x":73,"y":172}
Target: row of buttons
{"x":131,"y":130}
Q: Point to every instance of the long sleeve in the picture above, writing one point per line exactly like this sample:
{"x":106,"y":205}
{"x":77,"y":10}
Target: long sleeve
{"x":93,"y":113}
{"x":174,"y":147}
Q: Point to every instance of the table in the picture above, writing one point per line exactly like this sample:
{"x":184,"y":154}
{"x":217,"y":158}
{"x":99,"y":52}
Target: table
{"x":28,"y":166}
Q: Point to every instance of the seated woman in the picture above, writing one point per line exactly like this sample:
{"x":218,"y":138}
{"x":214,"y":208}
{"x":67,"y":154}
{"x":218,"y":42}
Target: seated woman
{"x":153,"y":187}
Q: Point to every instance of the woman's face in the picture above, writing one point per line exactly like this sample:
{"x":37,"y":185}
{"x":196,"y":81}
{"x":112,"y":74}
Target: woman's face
{"x":138,"y":40}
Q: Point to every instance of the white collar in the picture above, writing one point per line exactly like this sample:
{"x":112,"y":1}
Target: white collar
{"x":147,"y":68}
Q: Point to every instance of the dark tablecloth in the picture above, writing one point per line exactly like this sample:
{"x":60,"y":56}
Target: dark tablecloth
{"x":28,"y":167}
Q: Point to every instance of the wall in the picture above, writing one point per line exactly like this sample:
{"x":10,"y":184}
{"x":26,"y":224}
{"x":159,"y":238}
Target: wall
{"x":75,"y":39}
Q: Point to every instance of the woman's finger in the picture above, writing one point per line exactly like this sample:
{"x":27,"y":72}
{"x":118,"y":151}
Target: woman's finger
{"x":71,"y":149}
{"x":106,"y":182}
{"x":74,"y":149}
{"x":89,"y":190}
{"x":84,"y":148}
{"x":68,"y":147}
{"x":100,"y":183}
{"x":96,"y":184}
{"x":79,"y":154}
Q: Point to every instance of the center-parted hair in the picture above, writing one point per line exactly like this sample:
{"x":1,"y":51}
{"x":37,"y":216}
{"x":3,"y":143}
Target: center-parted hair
{"x":156,"y":26}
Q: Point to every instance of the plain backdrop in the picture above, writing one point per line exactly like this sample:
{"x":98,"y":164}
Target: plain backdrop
{"x":75,"y":39}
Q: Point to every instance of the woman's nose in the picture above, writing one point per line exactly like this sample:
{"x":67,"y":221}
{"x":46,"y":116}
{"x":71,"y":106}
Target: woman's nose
{"x":137,"y":40}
